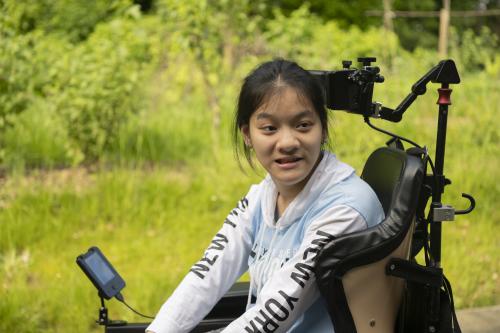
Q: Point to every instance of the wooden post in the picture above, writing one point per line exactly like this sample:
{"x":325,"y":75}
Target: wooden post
{"x":388,"y":30}
{"x":388,"y":15}
{"x":444,"y":23}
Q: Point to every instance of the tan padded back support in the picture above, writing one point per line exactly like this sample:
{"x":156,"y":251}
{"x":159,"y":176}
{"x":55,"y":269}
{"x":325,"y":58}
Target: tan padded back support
{"x":374,"y":297}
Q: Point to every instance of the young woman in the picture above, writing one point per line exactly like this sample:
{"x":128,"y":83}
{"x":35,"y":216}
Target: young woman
{"x":307,"y":198}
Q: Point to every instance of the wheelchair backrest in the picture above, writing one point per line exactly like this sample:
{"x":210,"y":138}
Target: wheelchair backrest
{"x":350,"y":270}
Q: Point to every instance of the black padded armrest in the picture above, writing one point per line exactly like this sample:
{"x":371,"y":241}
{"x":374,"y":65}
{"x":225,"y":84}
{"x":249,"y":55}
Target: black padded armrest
{"x":232,"y":304}
{"x":204,"y":326}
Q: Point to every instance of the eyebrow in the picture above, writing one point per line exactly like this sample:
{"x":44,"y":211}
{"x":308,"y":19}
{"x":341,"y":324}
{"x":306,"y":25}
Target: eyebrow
{"x":305,"y":113}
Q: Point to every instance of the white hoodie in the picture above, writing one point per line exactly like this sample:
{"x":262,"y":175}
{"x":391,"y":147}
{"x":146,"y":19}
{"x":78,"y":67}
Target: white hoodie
{"x":279,"y":254}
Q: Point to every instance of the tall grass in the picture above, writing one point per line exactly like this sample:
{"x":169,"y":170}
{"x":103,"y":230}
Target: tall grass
{"x":152,"y":224}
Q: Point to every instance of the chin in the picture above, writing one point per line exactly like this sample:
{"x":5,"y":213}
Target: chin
{"x":290,"y":181}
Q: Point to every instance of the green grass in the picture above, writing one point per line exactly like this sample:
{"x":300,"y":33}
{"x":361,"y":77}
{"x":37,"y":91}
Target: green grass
{"x":152,"y":223}
{"x":154,"y":219}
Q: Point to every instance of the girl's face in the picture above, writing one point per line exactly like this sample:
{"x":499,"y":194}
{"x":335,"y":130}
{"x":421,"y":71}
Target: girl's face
{"x":286,"y":135}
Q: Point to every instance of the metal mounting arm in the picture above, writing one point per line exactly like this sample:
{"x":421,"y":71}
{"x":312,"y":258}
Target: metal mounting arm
{"x":445,"y":73}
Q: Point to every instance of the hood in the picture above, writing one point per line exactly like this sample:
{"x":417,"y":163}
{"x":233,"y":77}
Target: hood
{"x":329,"y":172}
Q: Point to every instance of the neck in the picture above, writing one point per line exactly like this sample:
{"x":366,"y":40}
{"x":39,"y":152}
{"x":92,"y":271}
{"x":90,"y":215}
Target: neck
{"x":283,"y":201}
{"x":286,"y":194}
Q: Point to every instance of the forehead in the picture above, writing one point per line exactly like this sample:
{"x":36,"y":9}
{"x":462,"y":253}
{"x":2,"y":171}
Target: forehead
{"x":285,"y":101}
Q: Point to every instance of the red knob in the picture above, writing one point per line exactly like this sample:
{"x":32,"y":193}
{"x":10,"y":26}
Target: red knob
{"x":444,"y":96}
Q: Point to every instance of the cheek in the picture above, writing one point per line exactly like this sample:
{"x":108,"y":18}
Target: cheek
{"x":263,"y":149}
{"x":262,"y":142}
{"x":313,"y":142}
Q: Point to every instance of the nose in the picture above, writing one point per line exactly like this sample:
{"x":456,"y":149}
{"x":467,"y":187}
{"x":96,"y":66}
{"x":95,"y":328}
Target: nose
{"x":287,"y":142}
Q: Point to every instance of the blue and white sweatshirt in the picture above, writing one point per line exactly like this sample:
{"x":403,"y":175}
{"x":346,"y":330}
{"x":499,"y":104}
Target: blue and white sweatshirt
{"x":279,"y":254}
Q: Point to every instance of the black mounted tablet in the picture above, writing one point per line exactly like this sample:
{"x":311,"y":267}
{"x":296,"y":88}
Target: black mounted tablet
{"x":102,"y":274}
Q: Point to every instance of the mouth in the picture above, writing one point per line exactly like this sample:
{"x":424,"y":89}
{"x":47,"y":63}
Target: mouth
{"x":289,"y":160}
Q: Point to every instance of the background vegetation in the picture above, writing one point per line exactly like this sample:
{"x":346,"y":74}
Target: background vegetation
{"x":114,"y":131}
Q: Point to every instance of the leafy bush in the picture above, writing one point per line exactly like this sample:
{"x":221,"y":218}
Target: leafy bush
{"x":314,"y":43}
{"x":474,"y":52}
{"x":25,"y":75}
{"x":92,"y":86}
{"x":99,"y":83}
{"x":69,"y":19}
{"x":182,"y":65}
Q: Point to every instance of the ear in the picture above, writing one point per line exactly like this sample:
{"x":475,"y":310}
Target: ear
{"x":245,"y":132}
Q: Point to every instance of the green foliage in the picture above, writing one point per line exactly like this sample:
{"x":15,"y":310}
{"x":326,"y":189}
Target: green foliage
{"x":25,"y":74}
{"x":42,"y":288}
{"x":473,"y":51}
{"x":194,"y":51}
{"x":38,"y":139}
{"x":216,"y":36}
{"x":346,"y":13}
{"x":92,"y":86}
{"x":98,"y":83}
{"x":305,"y":38}
{"x":74,"y":20}
{"x":413,"y":32}
{"x":417,"y":32}
{"x":165,"y":135}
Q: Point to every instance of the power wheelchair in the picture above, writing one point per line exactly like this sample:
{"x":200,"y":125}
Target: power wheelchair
{"x":370,"y":279}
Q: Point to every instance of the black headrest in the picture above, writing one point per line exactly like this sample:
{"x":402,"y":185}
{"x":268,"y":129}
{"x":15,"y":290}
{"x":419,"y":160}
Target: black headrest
{"x":396,"y":177}
{"x":382,"y":172}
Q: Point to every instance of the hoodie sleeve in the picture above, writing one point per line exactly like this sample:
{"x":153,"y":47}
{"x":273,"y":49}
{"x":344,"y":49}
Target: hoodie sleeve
{"x":292,"y":289}
{"x":223,"y":262}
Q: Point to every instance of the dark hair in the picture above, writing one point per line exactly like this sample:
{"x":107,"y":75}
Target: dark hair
{"x":264,"y":82}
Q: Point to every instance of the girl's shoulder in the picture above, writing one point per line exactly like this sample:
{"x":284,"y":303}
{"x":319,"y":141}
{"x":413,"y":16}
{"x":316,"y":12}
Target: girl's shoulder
{"x":355,"y":193}
{"x":253,"y":199}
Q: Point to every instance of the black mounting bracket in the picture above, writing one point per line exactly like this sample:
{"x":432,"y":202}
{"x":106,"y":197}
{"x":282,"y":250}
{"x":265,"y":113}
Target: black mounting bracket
{"x":445,"y":73}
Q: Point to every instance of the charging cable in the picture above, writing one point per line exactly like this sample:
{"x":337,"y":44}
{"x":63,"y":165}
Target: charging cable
{"x":120,"y":297}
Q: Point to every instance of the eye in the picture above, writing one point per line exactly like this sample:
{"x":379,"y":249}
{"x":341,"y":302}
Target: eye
{"x":304,"y":125}
{"x":268,"y":128}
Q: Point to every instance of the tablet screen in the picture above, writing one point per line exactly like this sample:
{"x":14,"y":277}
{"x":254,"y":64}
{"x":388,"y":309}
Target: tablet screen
{"x":100,"y":268}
